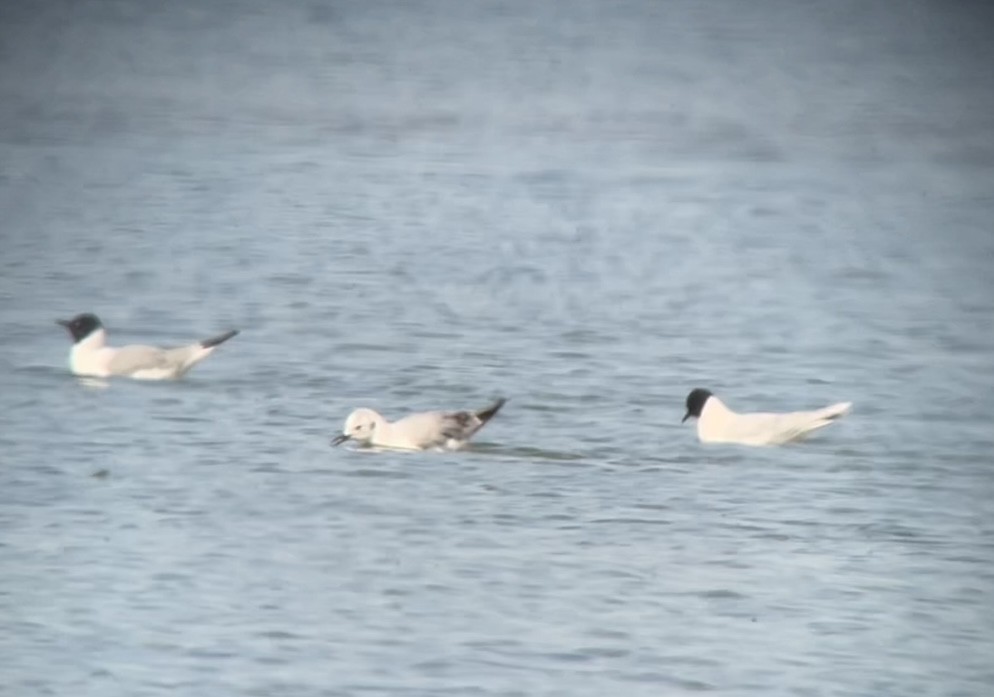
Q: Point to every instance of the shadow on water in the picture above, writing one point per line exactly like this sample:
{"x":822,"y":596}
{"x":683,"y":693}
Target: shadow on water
{"x":527,"y":453}
{"x":481,"y":448}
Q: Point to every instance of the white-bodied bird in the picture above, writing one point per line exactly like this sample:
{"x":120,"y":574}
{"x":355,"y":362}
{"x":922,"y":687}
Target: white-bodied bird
{"x":716,"y":423}
{"x":92,"y":357}
{"x":429,"y":430}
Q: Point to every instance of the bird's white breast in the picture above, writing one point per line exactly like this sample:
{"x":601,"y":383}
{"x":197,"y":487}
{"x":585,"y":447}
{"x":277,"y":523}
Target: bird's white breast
{"x":90,"y":356}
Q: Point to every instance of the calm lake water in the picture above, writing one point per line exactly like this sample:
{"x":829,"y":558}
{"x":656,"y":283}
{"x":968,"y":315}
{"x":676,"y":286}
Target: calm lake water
{"x":587,"y":207}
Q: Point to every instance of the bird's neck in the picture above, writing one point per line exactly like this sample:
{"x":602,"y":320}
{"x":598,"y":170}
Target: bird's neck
{"x":89,"y":356}
{"x":715,"y":408}
{"x":381,"y":434}
{"x":715,"y":417}
{"x":94,"y":342}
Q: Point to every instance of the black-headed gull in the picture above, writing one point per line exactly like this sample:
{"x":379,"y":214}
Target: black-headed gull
{"x":716,"y":423}
{"x":92,"y":357}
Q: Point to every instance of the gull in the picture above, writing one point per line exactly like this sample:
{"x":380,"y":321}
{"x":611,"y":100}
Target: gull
{"x":716,"y":423}
{"x":428,"y":430}
{"x":90,"y":355}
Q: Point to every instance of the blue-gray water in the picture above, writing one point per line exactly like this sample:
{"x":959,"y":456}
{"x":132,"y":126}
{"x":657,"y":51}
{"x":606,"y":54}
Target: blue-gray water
{"x":588,"y":207}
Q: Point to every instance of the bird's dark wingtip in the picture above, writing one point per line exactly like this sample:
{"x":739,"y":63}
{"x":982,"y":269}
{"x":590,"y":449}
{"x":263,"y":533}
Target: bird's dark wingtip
{"x":485,"y":415}
{"x":219,"y":339}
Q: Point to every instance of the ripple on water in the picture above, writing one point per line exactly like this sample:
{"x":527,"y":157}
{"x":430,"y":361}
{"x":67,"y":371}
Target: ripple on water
{"x":565,"y":251}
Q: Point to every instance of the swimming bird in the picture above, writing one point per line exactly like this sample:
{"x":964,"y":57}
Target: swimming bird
{"x":429,"y":430}
{"x":92,"y":357}
{"x":716,"y":423}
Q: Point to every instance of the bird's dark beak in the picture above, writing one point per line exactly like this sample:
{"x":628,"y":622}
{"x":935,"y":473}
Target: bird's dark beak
{"x":63,"y":323}
{"x":338,"y":440}
{"x":685,"y":417}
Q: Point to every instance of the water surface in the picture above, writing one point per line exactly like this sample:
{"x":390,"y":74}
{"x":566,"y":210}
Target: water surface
{"x":590,"y":208}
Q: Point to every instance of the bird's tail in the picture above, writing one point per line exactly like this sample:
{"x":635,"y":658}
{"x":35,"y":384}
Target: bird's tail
{"x":484,"y":415}
{"x":217,"y":340}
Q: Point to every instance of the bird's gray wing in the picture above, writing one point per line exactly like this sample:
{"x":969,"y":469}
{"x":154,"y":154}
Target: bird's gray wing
{"x":459,"y":425}
{"x":131,"y":359}
{"x":798,"y":425}
{"x":776,"y":429}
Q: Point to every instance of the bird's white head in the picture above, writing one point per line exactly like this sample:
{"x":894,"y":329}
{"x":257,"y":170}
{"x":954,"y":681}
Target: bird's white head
{"x":361,"y":426}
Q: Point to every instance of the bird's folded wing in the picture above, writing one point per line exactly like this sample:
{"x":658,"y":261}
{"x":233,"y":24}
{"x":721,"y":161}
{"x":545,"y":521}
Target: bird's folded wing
{"x":757,"y":429}
{"x":459,"y":425}
{"x":796,"y":425}
{"x":131,"y":359}
{"x":771,"y":429}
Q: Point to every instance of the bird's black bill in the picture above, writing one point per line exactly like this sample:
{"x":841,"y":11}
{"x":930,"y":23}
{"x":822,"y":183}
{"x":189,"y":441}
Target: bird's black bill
{"x":338,"y":440}
{"x":63,"y":323}
{"x":685,"y":417}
